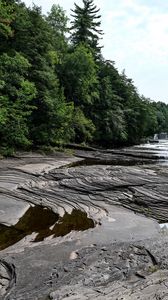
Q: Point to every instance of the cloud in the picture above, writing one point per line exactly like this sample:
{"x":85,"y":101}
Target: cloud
{"x":139,"y":28}
{"x":135,"y":37}
{"x":137,"y":40}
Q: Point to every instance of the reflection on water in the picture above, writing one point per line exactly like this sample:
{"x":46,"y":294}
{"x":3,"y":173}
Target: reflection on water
{"x":45,"y":223}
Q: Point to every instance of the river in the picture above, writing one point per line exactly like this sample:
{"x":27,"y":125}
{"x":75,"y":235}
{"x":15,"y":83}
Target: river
{"x":158,"y":149}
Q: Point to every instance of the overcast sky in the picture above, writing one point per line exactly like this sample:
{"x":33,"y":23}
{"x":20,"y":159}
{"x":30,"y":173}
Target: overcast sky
{"x":135,"y":37}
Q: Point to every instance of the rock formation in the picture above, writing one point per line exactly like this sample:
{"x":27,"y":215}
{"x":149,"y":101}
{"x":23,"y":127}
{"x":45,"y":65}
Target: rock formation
{"x":120,"y":195}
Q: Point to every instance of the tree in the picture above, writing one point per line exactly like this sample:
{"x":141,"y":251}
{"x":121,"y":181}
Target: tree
{"x":15,"y":101}
{"x":84,"y":128}
{"x":79,"y":79}
{"x":6,"y":17}
{"x":58,"y":19}
{"x":139,"y":115}
{"x":85,"y":26}
{"x":108,"y":115}
{"x":34,"y":39}
{"x":52,"y":91}
{"x":161,"y":110}
{"x":58,"y":22}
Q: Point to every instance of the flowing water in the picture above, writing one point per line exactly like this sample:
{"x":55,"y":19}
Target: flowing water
{"x":158,"y":149}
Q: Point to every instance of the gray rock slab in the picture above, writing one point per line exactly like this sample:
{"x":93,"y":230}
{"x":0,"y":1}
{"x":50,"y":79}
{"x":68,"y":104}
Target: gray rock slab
{"x":11,"y":210}
{"x":124,"y":256}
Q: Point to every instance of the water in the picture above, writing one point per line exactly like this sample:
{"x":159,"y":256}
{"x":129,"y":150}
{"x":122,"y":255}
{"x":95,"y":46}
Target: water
{"x":158,"y":150}
{"x":164,"y":225}
{"x":45,"y":223}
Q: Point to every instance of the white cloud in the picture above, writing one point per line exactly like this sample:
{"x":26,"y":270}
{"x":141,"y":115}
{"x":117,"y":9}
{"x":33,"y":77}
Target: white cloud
{"x":140,"y":27}
{"x":136,"y":37}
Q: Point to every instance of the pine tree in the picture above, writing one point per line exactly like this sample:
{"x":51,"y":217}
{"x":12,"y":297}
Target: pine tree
{"x":85,"y":26}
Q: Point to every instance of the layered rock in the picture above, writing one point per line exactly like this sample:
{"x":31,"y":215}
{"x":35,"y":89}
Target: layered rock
{"x":113,"y":260}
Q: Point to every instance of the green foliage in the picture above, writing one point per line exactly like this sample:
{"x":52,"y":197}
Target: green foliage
{"x":85,"y":26}
{"x":139,"y":115}
{"x":15,"y":100}
{"x":84,"y":127}
{"x":161,"y":111}
{"x":80,"y":77}
{"x":54,"y":92}
{"x":50,"y":122}
{"x":6,"y":17}
{"x":58,"y":20}
{"x":58,"y":23}
{"x":108,"y":111}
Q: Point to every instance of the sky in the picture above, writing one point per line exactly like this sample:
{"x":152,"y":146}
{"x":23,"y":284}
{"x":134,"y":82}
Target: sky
{"x":135,"y":38}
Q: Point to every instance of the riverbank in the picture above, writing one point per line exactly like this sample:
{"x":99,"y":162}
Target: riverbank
{"x":117,"y":255}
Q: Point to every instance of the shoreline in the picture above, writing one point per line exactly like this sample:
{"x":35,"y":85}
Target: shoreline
{"x":104,"y":192}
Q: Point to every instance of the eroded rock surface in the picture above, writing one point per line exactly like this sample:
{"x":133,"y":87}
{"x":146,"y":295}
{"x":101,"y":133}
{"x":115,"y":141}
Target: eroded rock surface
{"x":124,"y":257}
{"x":7,"y":277}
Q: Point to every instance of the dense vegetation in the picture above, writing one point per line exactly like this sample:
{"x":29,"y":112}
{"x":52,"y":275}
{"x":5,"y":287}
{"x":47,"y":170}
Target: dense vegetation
{"x":55,"y":90}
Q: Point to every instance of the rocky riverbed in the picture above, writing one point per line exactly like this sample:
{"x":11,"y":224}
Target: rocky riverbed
{"x":84,"y":226}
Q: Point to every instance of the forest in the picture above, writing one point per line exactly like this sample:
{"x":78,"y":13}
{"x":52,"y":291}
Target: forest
{"x":57,"y":88}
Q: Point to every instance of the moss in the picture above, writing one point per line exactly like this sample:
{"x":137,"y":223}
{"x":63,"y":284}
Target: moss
{"x":6,"y":152}
{"x":153,"y":269}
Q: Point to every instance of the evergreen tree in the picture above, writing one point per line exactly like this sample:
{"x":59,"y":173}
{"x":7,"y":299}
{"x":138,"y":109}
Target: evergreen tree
{"x":6,"y":17}
{"x":85,"y":26}
{"x":52,"y":91}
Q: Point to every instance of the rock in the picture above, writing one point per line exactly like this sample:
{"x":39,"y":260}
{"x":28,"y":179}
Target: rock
{"x":124,"y":258}
{"x":73,"y":255}
{"x":7,"y":277}
{"x":139,"y":274}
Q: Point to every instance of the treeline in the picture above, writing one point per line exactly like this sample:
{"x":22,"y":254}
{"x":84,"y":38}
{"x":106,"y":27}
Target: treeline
{"x":55,"y":90}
